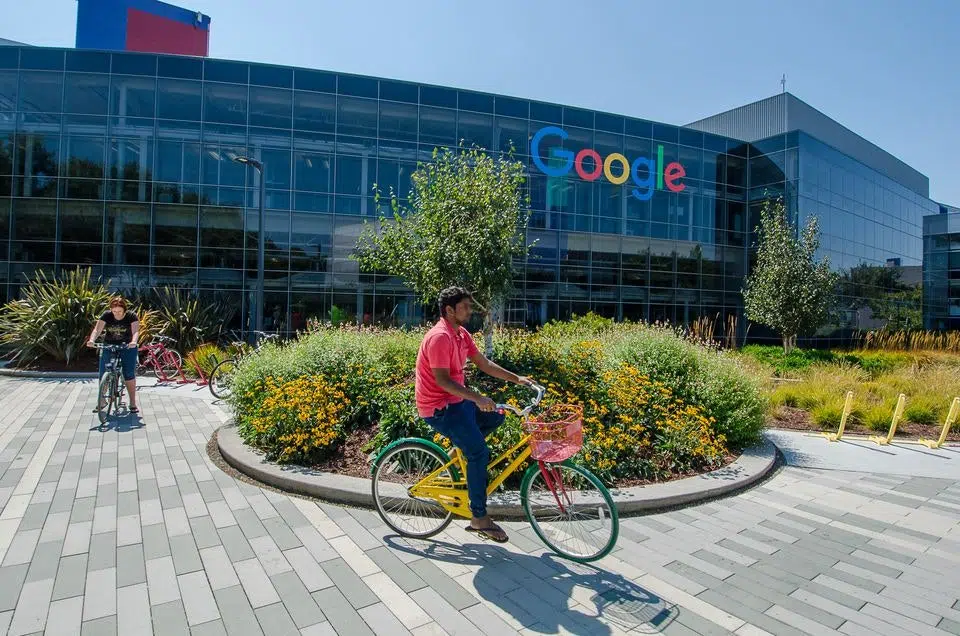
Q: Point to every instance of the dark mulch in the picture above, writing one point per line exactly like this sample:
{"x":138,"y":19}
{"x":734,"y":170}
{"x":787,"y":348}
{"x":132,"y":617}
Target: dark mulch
{"x":350,"y":459}
{"x":799,"y":420}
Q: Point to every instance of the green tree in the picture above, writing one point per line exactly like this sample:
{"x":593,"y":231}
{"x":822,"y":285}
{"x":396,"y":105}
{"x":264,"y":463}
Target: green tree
{"x":789,"y":290}
{"x":464,"y":224}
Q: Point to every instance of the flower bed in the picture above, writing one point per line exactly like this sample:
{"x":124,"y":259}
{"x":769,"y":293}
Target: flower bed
{"x":655,"y":406}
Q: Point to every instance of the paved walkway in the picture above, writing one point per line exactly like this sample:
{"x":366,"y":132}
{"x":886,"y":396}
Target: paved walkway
{"x":135,"y":530}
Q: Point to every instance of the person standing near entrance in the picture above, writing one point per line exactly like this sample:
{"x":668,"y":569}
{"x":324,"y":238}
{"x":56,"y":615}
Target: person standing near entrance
{"x":463,"y":416}
{"x":120,"y":327}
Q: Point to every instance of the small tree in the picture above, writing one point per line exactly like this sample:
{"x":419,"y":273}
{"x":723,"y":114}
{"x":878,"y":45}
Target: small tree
{"x":789,"y":290}
{"x":464,"y":225}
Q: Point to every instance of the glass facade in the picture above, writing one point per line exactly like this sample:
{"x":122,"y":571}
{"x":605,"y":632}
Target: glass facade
{"x":120,"y":161}
{"x":941,"y":271}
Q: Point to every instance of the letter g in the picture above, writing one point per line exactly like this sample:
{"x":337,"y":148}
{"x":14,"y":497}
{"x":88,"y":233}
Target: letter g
{"x":566,"y":155}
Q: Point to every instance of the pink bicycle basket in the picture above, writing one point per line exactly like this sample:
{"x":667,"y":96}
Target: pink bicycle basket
{"x":556,"y":434}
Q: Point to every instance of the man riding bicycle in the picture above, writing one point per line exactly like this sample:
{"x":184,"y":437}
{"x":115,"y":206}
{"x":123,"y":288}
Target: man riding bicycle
{"x":460,"y":414}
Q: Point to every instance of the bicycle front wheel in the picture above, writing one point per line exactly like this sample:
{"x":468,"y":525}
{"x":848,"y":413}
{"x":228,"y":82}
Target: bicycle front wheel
{"x":570,"y":510}
{"x":221,"y":379}
{"x":168,"y":365}
{"x":105,"y":398}
{"x":396,"y":471}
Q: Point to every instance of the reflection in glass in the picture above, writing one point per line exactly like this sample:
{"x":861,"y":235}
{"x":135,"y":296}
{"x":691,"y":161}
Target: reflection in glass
{"x":41,"y":92}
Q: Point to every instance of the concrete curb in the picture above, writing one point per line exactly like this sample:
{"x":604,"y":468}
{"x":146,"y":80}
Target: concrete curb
{"x":755,"y":464}
{"x":52,"y":375}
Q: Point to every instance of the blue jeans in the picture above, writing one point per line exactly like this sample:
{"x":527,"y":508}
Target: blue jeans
{"x":128,"y":358}
{"x":467,"y":427}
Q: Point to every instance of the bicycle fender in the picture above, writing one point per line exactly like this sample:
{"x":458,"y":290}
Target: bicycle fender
{"x":403,"y":440}
{"x":534,"y":468}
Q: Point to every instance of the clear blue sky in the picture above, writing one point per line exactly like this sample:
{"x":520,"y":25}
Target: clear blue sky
{"x":887,"y":69}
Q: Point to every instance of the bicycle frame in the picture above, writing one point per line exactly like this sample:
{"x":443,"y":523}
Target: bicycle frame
{"x":452,"y":494}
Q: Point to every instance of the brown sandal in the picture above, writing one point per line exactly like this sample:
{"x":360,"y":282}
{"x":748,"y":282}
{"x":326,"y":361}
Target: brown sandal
{"x":488,"y":533}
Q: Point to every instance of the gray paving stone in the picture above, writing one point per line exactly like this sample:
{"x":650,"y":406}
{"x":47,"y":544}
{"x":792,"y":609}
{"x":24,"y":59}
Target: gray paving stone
{"x":693,"y":574}
{"x":46,"y":561}
{"x":106,"y":495}
{"x":103,"y":551}
{"x":236,"y":612}
{"x":250,"y":523}
{"x":449,"y":618}
{"x":379,"y":618}
{"x":302,"y":607}
{"x":210,"y":491}
{"x":131,"y":565}
{"x":351,"y":585}
{"x":853,"y":579}
{"x":274,"y":619}
{"x":340,"y":613}
{"x":212,"y":628}
{"x":186,"y":557}
{"x":62,"y":501}
{"x":948,"y":625}
{"x":753,"y":617}
{"x":34,"y":517}
{"x":204,"y":532}
{"x":71,"y":577}
{"x":106,"y":626}
{"x":170,"y":497}
{"x":235,"y":543}
{"x":291,"y":514}
{"x":155,"y":541}
{"x":281,"y":533}
{"x":449,"y":589}
{"x":128,"y":503}
{"x":11,"y":582}
{"x":169,"y":618}
{"x":739,"y":548}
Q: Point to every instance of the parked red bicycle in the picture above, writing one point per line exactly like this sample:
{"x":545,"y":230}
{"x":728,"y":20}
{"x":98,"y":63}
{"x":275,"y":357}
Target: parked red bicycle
{"x":158,"y":358}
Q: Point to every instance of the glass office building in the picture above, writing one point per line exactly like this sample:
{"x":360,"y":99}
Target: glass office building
{"x":941,"y":269}
{"x":122,"y":162}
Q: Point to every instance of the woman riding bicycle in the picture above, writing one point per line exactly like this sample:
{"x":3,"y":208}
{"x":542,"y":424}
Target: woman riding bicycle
{"x":463,"y":416}
{"x":120,"y":327}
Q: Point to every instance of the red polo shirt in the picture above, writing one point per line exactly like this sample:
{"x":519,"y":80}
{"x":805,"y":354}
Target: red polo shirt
{"x":442,"y":348}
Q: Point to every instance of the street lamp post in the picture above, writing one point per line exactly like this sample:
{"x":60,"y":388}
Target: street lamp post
{"x":259,"y":308}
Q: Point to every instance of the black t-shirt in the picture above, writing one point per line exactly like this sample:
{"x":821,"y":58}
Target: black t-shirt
{"x":118,"y":331}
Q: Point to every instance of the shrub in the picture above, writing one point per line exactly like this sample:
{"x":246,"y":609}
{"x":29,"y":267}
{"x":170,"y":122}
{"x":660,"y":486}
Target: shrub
{"x":298,"y":420}
{"x":54,"y":316}
{"x":783,"y":364}
{"x":827,"y":416}
{"x":877,"y":417}
{"x":206,"y":356}
{"x":189,"y":319}
{"x":373,"y":369}
{"x":921,"y":410}
{"x":714,"y":381}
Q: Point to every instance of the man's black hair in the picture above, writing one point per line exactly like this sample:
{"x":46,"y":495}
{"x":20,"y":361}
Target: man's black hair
{"x":450,"y":296}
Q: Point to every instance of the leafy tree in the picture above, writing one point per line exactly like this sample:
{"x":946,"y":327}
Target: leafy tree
{"x":789,"y":290}
{"x":464,"y":224}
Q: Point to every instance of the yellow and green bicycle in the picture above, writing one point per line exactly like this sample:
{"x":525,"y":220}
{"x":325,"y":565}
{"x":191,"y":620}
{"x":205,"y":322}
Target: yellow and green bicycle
{"x":418,"y":487}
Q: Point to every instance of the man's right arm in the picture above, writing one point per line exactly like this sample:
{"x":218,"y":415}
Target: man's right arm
{"x":445,"y":382}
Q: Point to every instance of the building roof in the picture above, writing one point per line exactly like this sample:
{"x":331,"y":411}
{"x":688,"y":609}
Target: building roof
{"x":785,"y":113}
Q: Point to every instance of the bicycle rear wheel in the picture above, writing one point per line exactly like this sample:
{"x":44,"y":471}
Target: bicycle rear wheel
{"x":570,"y":510}
{"x":168,"y":364}
{"x":395,"y":472}
{"x":105,"y":398}
{"x":221,"y":378}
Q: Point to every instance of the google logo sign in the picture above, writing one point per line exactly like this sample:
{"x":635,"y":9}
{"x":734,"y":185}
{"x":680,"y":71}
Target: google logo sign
{"x":657,"y":176}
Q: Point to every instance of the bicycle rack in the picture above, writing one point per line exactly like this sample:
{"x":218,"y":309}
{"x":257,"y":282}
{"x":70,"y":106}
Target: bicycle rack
{"x":203,"y":380}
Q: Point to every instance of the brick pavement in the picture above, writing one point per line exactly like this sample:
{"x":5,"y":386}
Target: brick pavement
{"x":135,"y":530}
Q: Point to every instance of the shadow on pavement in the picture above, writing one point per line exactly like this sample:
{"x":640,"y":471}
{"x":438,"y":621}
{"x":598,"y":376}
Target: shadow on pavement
{"x":121,"y":423}
{"x":550,"y":582}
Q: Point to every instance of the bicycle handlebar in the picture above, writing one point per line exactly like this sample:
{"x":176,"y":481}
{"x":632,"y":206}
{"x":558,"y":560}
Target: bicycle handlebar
{"x":533,"y":403}
{"x":101,"y":345}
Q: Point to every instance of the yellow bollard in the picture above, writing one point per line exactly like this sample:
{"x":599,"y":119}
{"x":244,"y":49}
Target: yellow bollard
{"x":951,"y":419}
{"x":847,"y":407}
{"x":897,"y":414}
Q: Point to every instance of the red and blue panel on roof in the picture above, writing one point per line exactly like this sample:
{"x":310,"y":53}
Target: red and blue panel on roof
{"x":141,"y":25}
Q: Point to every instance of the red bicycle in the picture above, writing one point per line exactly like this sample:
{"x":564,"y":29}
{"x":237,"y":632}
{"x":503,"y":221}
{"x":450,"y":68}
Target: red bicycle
{"x":155,"y":357}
